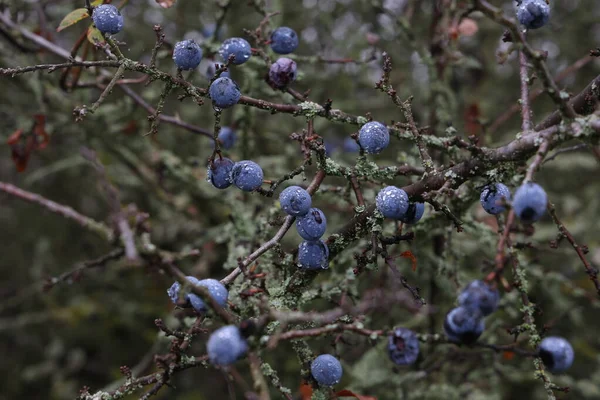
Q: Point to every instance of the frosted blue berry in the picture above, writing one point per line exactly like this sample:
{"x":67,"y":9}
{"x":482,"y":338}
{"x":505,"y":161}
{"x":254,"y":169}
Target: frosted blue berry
{"x":403,"y":346}
{"x":556,"y":353}
{"x":313,"y":225}
{"x":224,"y":92}
{"x":533,"y":14}
{"x":108,"y":19}
{"x":313,"y":255}
{"x":226,"y":345}
{"x":326,"y":369}
{"x":219,"y":173}
{"x":216,"y":290}
{"x":464,"y":325}
{"x":284,"y":40}
{"x":392,"y":202}
{"x":481,"y":296}
{"x":374,"y":137}
{"x":187,"y":55}
{"x":493,"y":197}
{"x":530,"y":202}
{"x":350,"y":145}
{"x":414,"y":213}
{"x":247,"y":175}
{"x":227,"y":137}
{"x":295,"y":201}
{"x":283,"y":72}
{"x":175,"y":288}
{"x":238,"y":47}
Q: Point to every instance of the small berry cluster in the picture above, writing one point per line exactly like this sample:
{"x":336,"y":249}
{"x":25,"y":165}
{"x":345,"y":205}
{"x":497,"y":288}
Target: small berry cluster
{"x":311,"y":224}
{"x":529,"y":204}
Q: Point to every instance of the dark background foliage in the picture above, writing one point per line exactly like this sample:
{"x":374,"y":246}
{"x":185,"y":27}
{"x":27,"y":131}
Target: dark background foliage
{"x":53,"y":342}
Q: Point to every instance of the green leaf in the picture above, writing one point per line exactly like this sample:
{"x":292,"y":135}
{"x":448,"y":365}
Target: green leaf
{"x":72,"y":18}
{"x":95,"y":36}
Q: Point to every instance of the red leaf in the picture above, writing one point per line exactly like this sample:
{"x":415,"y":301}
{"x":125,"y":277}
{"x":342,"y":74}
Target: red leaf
{"x":472,"y":124}
{"x":348,"y":393}
{"x":39,"y":130}
{"x":306,"y":391}
{"x":14,"y":138}
{"x":411,"y":256}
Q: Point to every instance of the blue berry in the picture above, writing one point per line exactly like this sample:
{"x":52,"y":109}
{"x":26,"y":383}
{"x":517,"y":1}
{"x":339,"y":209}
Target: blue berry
{"x":464,"y":325}
{"x":226,"y":345}
{"x":283,"y":72}
{"x":533,"y":14}
{"x":481,"y":296}
{"x":403,"y":346}
{"x":556,"y":353}
{"x":219,"y":173}
{"x":493,"y":197}
{"x":216,"y":290}
{"x":187,"y":55}
{"x":313,"y":225}
{"x":284,"y":40}
{"x":350,"y":145}
{"x":295,"y":201}
{"x":175,"y":288}
{"x":247,"y":175}
{"x":108,"y":19}
{"x":326,"y":369}
{"x":414,"y":213}
{"x":238,"y":47}
{"x":224,"y":92}
{"x":374,"y":137}
{"x":392,"y":202}
{"x":313,"y":255}
{"x":227,"y":137}
{"x":530,"y":202}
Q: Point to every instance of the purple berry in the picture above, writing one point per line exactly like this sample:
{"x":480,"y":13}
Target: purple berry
{"x":481,"y":296}
{"x":556,"y":353}
{"x":530,"y":202}
{"x":493,"y":197}
{"x":392,"y":202}
{"x":313,"y":255}
{"x":226,"y":345}
{"x":224,"y":92}
{"x":283,"y":72}
{"x":464,"y":325}
{"x":374,"y":137}
{"x":246,"y":175}
{"x":238,"y":47}
{"x":403,"y":346}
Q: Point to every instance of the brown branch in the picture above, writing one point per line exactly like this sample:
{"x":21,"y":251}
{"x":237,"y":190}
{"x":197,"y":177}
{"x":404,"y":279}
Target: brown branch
{"x":98,"y":228}
{"x":580,"y":250}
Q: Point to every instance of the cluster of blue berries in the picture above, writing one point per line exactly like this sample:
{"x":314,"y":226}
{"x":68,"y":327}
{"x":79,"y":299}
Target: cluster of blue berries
{"x":215,"y":288}
{"x":393,"y":203}
{"x":282,"y":72}
{"x":108,"y":19}
{"x":465,"y":323}
{"x":533,"y":14}
{"x":245,"y":175}
{"x":529,"y":203}
{"x":311,"y":224}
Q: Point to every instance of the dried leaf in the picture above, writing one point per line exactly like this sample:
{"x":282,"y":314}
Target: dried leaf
{"x":72,"y":18}
{"x":348,"y":393}
{"x":39,"y":130}
{"x":411,"y":256}
{"x":95,"y":36}
{"x":15,"y":137}
{"x":166,"y":3}
{"x":508,"y":355}
{"x":306,"y":391}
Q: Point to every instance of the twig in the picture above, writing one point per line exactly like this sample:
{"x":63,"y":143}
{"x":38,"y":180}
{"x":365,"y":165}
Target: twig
{"x":97,"y":227}
{"x":580,"y":250}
